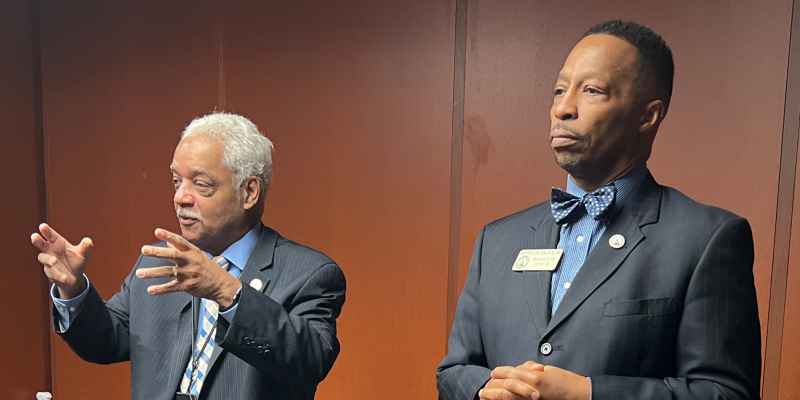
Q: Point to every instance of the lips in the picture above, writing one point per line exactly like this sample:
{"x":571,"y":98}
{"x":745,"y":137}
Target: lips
{"x":561,"y":138}
{"x":187,"y":218}
{"x":185,"y":221}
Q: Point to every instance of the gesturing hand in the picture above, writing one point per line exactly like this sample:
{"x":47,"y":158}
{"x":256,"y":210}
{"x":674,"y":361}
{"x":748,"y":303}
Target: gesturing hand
{"x":63,"y":262}
{"x":192,"y":271}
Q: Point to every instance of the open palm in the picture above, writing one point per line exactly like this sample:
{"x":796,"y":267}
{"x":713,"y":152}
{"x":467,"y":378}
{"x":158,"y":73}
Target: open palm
{"x":62,"y":261}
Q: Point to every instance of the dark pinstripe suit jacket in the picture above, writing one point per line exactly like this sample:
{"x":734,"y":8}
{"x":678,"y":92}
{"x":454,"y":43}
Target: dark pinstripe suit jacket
{"x":670,"y":315}
{"x":280,"y":345}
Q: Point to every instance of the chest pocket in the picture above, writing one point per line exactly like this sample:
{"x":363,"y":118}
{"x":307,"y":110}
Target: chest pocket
{"x":644,"y":307}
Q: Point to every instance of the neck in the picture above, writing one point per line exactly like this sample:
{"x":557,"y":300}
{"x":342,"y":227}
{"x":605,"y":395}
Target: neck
{"x":590,"y":183}
{"x":235,"y":234}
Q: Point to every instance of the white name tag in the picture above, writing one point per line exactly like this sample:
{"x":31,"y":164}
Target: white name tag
{"x":537,"y":259}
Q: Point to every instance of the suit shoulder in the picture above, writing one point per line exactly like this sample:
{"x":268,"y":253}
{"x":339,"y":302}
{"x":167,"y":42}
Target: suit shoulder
{"x":298,"y":261}
{"x":676,"y":204}
{"x":525,"y":218}
{"x":299,"y":254}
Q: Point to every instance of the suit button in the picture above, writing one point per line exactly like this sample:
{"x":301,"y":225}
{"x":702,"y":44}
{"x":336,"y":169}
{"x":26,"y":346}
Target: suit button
{"x":546,"y":348}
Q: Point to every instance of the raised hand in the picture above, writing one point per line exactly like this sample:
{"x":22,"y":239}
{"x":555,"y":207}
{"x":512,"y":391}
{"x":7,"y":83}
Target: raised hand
{"x":191,"y":271}
{"x":62,"y":261}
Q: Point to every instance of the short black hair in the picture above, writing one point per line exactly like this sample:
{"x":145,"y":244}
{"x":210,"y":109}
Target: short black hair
{"x":654,"y":53}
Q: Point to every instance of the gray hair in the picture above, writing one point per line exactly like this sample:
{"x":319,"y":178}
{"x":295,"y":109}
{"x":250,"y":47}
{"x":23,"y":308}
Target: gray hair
{"x":246,"y":152}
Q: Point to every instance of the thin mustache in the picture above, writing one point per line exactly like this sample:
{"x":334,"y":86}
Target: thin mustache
{"x":187,"y":214}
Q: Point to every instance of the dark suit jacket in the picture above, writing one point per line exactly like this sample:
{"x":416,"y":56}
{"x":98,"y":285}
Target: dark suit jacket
{"x":280,"y":345}
{"x":670,"y":315}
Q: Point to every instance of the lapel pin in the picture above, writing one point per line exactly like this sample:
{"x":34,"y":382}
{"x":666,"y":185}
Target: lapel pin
{"x":256,"y":284}
{"x":616,"y":241}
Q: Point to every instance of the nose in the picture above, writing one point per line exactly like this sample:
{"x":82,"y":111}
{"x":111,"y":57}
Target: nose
{"x":182,"y":197}
{"x":565,"y":106}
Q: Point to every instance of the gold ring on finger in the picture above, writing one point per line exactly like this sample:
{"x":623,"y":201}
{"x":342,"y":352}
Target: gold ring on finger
{"x":175,"y":272}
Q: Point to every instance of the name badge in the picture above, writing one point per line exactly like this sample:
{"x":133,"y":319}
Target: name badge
{"x":537,"y":260}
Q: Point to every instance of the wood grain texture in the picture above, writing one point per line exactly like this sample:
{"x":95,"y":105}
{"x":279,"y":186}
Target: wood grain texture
{"x":24,"y":307}
{"x":357,"y":97}
{"x":119,"y":83}
{"x":783,"y":350}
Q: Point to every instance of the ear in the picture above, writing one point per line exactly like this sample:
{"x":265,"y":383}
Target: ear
{"x":251,"y":188}
{"x":652,"y":115}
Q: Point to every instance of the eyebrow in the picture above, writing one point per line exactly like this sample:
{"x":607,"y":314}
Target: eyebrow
{"x":193,"y":172}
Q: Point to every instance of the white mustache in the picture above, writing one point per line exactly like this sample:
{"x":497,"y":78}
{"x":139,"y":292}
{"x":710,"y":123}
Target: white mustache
{"x":182,"y":213}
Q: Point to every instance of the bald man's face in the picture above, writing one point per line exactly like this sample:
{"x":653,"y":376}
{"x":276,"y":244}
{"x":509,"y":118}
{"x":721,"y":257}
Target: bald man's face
{"x":594,"y":119}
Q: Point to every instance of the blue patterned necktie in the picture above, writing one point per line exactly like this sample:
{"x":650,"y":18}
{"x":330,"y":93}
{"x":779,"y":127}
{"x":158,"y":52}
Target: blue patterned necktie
{"x":563,"y":204}
{"x":203,"y":348}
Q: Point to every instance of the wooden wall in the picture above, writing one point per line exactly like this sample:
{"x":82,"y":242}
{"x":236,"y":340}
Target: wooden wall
{"x":23,"y":305}
{"x":400,"y":129}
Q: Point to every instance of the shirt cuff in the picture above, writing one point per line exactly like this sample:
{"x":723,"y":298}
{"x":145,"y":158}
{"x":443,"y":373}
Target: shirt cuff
{"x":590,"y":387}
{"x":231,"y":311}
{"x":67,"y":309}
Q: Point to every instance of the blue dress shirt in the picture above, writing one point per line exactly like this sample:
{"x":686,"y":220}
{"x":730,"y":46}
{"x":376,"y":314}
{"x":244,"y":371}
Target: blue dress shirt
{"x":579,"y":236}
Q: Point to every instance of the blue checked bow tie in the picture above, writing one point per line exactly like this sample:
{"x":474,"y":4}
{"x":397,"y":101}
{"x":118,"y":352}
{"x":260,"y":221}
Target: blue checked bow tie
{"x":563,"y":204}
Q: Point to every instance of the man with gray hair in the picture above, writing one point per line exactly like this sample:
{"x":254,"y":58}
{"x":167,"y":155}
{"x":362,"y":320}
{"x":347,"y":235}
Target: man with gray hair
{"x":264,"y":308}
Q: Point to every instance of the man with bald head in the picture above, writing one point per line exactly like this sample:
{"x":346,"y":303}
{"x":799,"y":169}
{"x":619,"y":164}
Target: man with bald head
{"x":264,"y":308}
{"x":618,"y":287}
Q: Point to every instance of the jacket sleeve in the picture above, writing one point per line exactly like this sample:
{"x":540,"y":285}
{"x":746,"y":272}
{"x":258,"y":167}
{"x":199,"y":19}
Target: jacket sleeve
{"x":463,"y":372}
{"x":99,"y":333}
{"x":295,"y":342}
{"x":718,"y":342}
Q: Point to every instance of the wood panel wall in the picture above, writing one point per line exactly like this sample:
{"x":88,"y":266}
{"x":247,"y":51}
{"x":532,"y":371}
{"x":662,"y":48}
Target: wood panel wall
{"x":119,"y":82}
{"x":400,"y":129}
{"x":23,"y":304}
{"x":783,"y":350}
{"x":357,"y":97}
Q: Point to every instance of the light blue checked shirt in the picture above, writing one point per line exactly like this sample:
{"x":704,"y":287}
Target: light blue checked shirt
{"x":579,"y":237}
{"x":237,"y":255}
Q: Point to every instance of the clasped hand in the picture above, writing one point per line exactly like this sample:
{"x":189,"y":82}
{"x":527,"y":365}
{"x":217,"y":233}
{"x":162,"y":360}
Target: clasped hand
{"x":531,"y":380}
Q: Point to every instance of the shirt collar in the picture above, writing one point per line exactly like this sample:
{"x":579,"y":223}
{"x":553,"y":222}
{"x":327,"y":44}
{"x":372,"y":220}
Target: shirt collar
{"x":239,"y":252}
{"x":625,"y":184}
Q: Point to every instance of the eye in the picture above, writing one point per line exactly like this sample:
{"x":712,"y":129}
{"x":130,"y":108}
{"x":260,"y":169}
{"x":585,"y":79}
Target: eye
{"x":203,"y":187}
{"x":201,"y":184}
{"x":558,"y":91}
{"x":594,"y":91}
{"x":176,"y":181}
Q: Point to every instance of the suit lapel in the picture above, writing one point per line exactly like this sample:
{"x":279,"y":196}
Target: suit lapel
{"x":640,"y":209}
{"x":183,"y":336}
{"x":545,"y":236}
{"x":259,"y":266}
{"x":258,"y":272}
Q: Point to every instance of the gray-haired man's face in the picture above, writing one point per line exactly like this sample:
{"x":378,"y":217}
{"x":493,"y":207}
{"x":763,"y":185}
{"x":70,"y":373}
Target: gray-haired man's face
{"x":209,"y":208}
